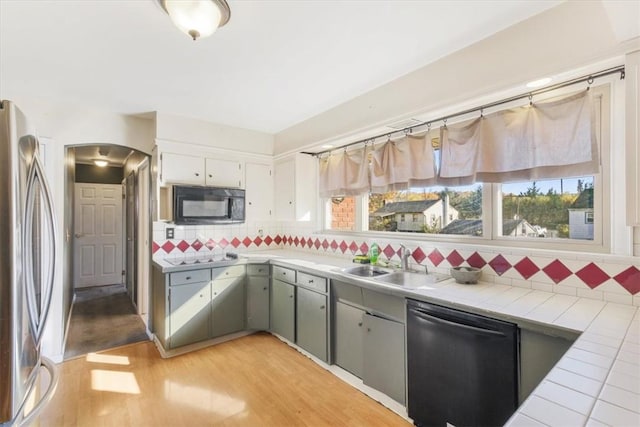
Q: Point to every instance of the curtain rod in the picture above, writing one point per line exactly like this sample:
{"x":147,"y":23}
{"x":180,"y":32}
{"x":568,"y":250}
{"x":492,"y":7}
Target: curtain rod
{"x":587,"y":78}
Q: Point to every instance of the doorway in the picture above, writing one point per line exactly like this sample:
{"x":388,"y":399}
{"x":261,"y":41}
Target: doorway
{"x":110,"y":269}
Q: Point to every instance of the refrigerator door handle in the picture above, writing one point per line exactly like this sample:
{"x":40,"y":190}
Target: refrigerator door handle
{"x":38,"y":315}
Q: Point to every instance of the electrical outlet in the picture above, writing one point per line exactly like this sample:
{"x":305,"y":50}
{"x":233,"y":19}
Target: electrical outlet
{"x":170,"y":232}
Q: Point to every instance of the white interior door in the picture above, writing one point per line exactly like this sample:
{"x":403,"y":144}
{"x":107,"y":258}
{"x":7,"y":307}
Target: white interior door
{"x":97,"y":235}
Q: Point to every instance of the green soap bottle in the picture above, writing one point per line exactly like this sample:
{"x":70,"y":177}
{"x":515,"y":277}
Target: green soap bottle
{"x":374,"y":251}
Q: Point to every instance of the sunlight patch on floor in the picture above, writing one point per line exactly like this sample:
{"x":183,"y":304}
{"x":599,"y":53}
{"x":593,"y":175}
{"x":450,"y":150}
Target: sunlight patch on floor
{"x":200,"y":398}
{"x":114,"y":381}
{"x":109,"y":359}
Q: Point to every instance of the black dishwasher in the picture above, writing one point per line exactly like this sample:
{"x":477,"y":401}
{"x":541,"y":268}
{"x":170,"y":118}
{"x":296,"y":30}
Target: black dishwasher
{"x":463,"y":368}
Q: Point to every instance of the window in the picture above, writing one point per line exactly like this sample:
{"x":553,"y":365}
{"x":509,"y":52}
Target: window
{"x":343,"y":213}
{"x":546,"y":213}
{"x":550,"y":209}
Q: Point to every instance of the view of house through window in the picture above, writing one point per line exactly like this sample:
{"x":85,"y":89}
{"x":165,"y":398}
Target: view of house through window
{"x":436,"y":210}
{"x":559,"y":208}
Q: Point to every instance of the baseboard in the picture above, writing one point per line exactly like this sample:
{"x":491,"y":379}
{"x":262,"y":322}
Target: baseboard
{"x":165,"y":354}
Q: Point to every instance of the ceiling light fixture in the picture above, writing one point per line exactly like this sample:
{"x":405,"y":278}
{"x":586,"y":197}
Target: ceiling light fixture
{"x":100,"y":162}
{"x":197,"y":18}
{"x":539,"y":82}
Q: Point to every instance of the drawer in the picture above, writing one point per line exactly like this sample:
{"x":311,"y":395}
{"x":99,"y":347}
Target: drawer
{"x":191,"y":276}
{"x":389,"y":305}
{"x":226,"y":272}
{"x":285,"y":274}
{"x":258,"y":269}
{"x":347,"y":292}
{"x":311,"y":281}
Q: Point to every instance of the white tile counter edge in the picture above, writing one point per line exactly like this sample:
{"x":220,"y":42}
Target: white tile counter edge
{"x":597,"y":382}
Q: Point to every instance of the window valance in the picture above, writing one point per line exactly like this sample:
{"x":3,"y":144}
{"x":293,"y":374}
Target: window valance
{"x":540,"y":141}
{"x":344,"y":173}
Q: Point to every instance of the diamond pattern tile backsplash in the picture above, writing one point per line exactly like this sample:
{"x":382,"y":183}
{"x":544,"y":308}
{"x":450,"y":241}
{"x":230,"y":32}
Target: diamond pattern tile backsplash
{"x":617,"y":280}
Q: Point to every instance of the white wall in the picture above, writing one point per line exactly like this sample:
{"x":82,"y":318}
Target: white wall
{"x":182,"y":129}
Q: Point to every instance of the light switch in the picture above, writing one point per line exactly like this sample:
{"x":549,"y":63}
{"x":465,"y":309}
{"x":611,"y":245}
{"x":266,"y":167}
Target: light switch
{"x":169,"y":232}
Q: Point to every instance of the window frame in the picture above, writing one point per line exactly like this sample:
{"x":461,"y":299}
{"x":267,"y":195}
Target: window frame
{"x":492,"y":203}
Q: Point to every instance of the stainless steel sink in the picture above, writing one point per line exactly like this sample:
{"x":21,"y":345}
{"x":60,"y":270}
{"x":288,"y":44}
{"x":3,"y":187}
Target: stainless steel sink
{"x":367,"y":271}
{"x":410,"y":279}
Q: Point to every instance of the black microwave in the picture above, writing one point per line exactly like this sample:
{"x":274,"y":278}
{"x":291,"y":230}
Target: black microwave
{"x":207,"y":205}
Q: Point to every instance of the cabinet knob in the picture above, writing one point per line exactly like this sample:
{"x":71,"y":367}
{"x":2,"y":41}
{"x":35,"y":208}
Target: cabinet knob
{"x":188,"y":277}
{"x":250,"y":203}
{"x":311,"y":281}
{"x":210,"y":176}
{"x":359,"y":324}
{"x":265,"y":288}
{"x":290,"y":296}
{"x":200,"y":295}
{"x":260,"y":270}
{"x":322,"y":307}
{"x":368,"y":329}
{"x":197,"y":174}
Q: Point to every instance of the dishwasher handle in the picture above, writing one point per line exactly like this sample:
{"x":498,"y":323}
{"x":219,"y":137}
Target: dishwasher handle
{"x":435,"y":319}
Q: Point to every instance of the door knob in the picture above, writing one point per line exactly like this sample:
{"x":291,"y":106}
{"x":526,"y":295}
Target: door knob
{"x":78,"y":235}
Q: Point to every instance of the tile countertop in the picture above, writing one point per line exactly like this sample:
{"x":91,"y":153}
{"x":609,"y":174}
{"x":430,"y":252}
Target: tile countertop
{"x":596,"y":383}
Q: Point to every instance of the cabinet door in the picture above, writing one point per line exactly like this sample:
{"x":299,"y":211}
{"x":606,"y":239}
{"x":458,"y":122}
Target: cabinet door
{"x":189,"y":313}
{"x":311,"y":322}
{"x":283,"y":306}
{"x":227,"y":306}
{"x":349,"y":335}
{"x":259,"y":191}
{"x":383,"y":367}
{"x":223,"y":173}
{"x":258,"y":303}
{"x":182,"y":169}
{"x":284,"y":183}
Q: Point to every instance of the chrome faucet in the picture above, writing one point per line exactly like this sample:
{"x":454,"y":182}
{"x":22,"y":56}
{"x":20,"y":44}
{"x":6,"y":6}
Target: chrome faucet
{"x":404,"y":255}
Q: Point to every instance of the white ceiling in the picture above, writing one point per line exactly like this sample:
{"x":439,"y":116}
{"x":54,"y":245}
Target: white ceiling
{"x":275,"y":64}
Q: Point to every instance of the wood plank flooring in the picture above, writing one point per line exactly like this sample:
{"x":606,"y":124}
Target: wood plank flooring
{"x":252,"y":381}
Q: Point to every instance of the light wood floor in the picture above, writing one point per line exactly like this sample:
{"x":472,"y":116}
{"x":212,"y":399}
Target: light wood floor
{"x":252,"y":381}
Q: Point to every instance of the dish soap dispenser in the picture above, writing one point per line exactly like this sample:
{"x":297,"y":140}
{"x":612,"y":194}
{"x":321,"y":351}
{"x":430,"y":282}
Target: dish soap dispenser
{"x":374,"y":251}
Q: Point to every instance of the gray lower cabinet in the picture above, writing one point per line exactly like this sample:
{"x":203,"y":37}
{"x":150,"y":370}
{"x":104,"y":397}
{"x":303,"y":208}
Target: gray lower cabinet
{"x":189,"y":313}
{"x":383,"y":365}
{"x":227,"y":306}
{"x":311,"y":322}
{"x":283,"y":309}
{"x":258,"y":303}
{"x":349,"y":337}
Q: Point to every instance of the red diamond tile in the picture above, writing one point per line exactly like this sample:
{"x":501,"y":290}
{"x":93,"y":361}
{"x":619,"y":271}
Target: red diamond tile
{"x":168,"y":246}
{"x":364,"y":248}
{"x":303,"y":242}
{"x":353,"y":247}
{"x":455,"y":259}
{"x":289,"y":240}
{"x":183,"y":245}
{"x":592,"y":275}
{"x":247,"y":241}
{"x":475,"y":260}
{"x":526,"y":267}
{"x":268,"y":240}
{"x":325,"y":244}
{"x":344,"y":246}
{"x":277,"y":239}
{"x":557,"y":271}
{"x":223,"y":243}
{"x":334,"y":245}
{"x":388,"y":251}
{"x":500,"y":265}
{"x":317,"y":243}
{"x":257,"y":241}
{"x":629,"y":279}
{"x":197,"y":245}
{"x":296,"y":241}
{"x":419,"y":255}
{"x":235,"y":242}
{"x":436,"y":257}
{"x":309,"y":242}
{"x":210,"y":244}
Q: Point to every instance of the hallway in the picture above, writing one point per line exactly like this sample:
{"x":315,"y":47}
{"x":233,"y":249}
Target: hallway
{"x":103,"y":317}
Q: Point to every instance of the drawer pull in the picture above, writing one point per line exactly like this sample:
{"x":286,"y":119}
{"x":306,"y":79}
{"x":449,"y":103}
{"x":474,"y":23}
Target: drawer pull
{"x":310,"y":281}
{"x":260,"y":270}
{"x":322,"y":307}
{"x":197,"y":174}
{"x":360,"y":324}
{"x":290,"y":296}
{"x":188,"y":277}
{"x":265,"y":288}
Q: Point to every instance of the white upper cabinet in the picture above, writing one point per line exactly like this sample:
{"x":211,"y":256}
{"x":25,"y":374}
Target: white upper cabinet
{"x":194,"y":170}
{"x":296,"y":188}
{"x":223,"y":173}
{"x":181,"y":169}
{"x":259,"y":191}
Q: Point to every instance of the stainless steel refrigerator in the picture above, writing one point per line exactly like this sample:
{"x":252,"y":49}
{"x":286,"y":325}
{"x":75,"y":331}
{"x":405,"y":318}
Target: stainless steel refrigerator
{"x":27,"y":268}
